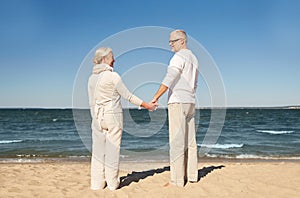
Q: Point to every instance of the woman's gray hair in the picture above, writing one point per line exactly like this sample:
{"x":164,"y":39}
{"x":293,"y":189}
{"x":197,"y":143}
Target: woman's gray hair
{"x":101,"y":53}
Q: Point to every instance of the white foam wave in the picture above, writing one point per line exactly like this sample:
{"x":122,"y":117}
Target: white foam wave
{"x":29,"y":155}
{"x":79,"y":156}
{"x":20,"y":160}
{"x":251,"y":156}
{"x":124,"y":156}
{"x":9,"y":141}
{"x":275,"y":132}
{"x":222,"y":146}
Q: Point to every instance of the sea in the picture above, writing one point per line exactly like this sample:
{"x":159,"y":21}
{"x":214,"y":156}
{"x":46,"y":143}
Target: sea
{"x":38,"y":135}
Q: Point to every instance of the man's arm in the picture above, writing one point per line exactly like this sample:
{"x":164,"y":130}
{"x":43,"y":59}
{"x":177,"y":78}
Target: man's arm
{"x":174,"y":71}
{"x":162,"y":89}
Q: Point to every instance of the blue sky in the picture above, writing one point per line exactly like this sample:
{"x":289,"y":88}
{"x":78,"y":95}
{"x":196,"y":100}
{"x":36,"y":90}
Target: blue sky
{"x":255,"y":45}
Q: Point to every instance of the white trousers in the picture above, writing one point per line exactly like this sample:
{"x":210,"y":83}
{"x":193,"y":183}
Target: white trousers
{"x":182,"y":140}
{"x":106,"y":151}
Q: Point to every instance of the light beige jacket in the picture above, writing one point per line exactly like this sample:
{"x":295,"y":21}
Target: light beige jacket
{"x":105,"y":89}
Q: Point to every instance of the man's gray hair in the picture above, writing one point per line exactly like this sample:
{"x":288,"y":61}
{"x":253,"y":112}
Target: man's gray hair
{"x":181,"y":34}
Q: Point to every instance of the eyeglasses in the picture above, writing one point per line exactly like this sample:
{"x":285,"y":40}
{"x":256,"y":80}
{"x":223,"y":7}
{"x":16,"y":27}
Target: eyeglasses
{"x":175,"y":40}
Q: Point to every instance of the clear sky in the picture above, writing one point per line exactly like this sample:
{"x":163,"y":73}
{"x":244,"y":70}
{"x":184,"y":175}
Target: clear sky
{"x":255,"y":44}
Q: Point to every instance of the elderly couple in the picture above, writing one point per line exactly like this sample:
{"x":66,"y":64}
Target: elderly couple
{"x":105,"y":90}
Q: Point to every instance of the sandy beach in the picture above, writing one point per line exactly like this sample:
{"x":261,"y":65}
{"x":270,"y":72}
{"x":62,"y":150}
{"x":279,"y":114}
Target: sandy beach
{"x":216,"y":179}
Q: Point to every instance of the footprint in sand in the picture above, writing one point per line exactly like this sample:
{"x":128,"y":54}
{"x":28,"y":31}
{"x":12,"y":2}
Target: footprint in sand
{"x":34,"y":183}
{"x":15,"y":189}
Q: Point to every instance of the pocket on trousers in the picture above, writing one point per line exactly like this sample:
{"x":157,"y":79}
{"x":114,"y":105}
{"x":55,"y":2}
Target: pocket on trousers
{"x":103,"y":124}
{"x":113,"y":120}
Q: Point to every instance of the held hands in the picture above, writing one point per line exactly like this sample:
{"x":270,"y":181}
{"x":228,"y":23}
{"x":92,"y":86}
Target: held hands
{"x":154,"y":102}
{"x":152,"y":106}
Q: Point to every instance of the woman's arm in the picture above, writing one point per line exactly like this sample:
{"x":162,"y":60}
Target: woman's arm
{"x":125,"y":93}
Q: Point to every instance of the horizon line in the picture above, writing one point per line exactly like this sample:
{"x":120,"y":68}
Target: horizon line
{"x":204,"y":107}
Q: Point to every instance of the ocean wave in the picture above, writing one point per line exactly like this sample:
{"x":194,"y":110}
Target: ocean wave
{"x":222,"y":146}
{"x":79,"y":156}
{"x":275,"y":132}
{"x":21,"y":160}
{"x":53,"y":139}
{"x":10,"y":141}
{"x":124,"y":156}
{"x":31,"y":155}
{"x":251,"y":156}
{"x":37,"y":140}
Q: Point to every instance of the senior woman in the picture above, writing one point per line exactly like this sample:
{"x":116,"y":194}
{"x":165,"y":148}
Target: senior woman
{"x":105,"y":89}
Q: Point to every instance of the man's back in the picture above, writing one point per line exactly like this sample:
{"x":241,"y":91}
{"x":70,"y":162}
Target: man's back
{"x":184,"y":65}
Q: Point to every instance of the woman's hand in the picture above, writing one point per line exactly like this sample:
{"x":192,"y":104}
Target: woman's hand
{"x":150,"y":106}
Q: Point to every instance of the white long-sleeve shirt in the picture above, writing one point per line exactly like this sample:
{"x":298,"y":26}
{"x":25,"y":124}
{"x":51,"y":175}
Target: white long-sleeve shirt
{"x":105,"y":89}
{"x":182,"y":77}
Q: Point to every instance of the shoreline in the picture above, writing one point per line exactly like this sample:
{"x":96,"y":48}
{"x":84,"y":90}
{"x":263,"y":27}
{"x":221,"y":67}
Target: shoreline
{"x":88,"y":159}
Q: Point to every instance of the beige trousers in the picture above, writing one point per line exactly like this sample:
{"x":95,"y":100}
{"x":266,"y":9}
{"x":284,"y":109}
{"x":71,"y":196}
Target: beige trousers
{"x":182,"y":140}
{"x":106,"y":151}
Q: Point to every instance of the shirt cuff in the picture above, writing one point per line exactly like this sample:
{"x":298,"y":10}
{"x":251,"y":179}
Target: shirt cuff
{"x":135,"y":100}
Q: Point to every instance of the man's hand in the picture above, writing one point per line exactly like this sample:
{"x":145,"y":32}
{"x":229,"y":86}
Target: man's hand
{"x":154,"y":106}
{"x":154,"y":101}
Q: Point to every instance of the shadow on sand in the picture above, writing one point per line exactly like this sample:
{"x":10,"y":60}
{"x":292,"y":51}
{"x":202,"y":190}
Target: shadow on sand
{"x":136,"y":176}
{"x":204,"y":171}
